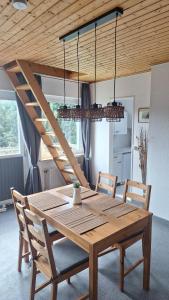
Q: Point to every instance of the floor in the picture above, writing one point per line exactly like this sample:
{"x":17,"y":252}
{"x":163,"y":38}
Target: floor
{"x":15,"y":286}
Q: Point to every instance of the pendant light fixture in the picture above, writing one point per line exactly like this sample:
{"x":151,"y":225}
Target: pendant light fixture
{"x":77,"y":113}
{"x":114,"y":111}
{"x":63,"y":111}
{"x":96,"y":112}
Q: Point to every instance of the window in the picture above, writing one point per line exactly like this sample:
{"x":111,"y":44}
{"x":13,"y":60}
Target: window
{"x":9,"y":129}
{"x":71,"y":129}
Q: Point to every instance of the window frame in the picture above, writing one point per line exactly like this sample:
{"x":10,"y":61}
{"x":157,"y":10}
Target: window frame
{"x":10,"y":96}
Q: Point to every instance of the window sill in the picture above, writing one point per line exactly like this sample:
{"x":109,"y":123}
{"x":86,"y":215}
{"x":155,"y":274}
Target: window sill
{"x":10,"y":156}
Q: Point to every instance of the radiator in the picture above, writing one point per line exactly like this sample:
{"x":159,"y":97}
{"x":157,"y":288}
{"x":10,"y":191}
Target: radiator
{"x":11,"y":175}
{"x":50,"y":175}
{"x":50,"y":178}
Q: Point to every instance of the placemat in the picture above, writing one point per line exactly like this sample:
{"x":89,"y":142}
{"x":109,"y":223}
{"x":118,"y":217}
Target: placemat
{"x":46,"y":201}
{"x":73,"y":214}
{"x":120,"y":210}
{"x":85,"y":192}
{"x":69,"y":191}
{"x":103,"y":203}
{"x":90,"y":224}
{"x":88,"y":194}
{"x":80,"y":219}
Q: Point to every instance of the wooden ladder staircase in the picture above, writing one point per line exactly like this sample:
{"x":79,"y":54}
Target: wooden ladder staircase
{"x":31,"y":84}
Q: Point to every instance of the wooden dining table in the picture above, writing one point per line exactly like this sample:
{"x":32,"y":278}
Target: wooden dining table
{"x":96,"y":224}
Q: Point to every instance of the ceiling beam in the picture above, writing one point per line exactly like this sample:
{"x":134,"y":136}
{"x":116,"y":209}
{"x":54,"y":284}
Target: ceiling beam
{"x":44,"y":70}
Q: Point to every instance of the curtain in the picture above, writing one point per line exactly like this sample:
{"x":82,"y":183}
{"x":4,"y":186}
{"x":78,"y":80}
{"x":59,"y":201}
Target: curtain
{"x":32,"y":139}
{"x":86,"y":130}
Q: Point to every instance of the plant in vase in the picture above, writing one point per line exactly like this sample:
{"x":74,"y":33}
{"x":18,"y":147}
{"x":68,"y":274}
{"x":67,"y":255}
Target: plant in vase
{"x":76,"y":194}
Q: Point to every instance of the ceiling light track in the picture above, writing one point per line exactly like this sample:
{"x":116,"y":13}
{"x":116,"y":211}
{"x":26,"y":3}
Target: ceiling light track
{"x":105,"y":18}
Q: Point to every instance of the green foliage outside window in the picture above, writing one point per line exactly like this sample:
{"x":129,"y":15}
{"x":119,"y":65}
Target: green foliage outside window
{"x":9,"y":140}
{"x":69,"y":128}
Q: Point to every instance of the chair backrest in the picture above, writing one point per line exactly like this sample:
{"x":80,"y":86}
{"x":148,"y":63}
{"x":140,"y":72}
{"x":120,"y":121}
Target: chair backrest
{"x":23,"y":200}
{"x":39,"y":240}
{"x":100,"y":184}
{"x":142,"y":197}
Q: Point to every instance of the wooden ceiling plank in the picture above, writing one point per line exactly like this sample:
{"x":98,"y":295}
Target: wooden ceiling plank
{"x":155,"y":7}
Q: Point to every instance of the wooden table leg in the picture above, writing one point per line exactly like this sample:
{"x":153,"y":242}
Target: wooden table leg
{"x":93,"y":274}
{"x":147,"y":254}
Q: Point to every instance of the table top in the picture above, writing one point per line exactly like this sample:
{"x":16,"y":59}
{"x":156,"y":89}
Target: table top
{"x":99,"y":221}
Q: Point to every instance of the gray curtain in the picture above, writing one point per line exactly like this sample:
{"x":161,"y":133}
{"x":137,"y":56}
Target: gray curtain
{"x":32,"y":140}
{"x":86,"y":130}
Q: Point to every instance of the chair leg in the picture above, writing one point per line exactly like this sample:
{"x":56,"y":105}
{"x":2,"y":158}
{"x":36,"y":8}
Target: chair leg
{"x":143,"y":246}
{"x":54,"y":291}
{"x":26,"y":249}
{"x":20,"y":253}
{"x":68,"y":281}
{"x":122,"y":254}
{"x":33,"y":282}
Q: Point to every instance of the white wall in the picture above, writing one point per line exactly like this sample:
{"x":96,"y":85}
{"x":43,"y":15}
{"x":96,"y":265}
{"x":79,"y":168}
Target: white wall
{"x":54,"y":86}
{"x":4,"y":81}
{"x":137,"y":86}
{"x":158,"y":154}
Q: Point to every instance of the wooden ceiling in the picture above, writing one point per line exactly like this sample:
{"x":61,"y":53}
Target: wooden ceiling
{"x":33,"y":34}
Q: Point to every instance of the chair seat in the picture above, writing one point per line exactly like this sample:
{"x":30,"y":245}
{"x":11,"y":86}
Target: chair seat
{"x":52,"y":230}
{"x":129,"y":241}
{"x":68,"y":255}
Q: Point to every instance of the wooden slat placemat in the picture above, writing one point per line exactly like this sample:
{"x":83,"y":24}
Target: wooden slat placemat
{"x":46,"y":201}
{"x":85,"y":192}
{"x":69,"y":191}
{"x":103,"y":203}
{"x":80,"y":219}
{"x":120,"y":210}
{"x":72,"y":214}
{"x":88,"y":194}
{"x":90,"y":224}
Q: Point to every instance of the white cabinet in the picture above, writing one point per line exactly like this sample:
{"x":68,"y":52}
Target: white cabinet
{"x":117,"y":166}
{"x":126,"y":166}
{"x":121,"y":127}
{"x":121,"y":166}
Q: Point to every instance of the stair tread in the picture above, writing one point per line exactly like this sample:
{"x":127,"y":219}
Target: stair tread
{"x":12,"y":67}
{"x":68,"y":170}
{"x":61,"y":158}
{"x":32,"y":104}
{"x":41,"y":120}
{"x":24,"y":87}
{"x":49,"y":133}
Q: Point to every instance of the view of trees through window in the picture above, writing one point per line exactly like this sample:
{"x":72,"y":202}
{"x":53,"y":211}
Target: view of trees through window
{"x":69,"y":128}
{"x":9,"y":136}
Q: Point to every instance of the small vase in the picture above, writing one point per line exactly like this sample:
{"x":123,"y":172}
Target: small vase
{"x":76,"y":196}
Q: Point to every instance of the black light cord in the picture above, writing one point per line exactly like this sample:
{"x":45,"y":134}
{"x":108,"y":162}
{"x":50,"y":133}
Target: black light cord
{"x":78,"y":66}
{"x":95,"y":51}
{"x":64,"y":51}
{"x":115,"y":58}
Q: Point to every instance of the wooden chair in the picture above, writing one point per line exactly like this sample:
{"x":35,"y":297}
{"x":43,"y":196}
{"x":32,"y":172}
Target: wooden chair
{"x":105,"y":186}
{"x":57,"y":262}
{"x":23,"y":239}
{"x":143,"y":199}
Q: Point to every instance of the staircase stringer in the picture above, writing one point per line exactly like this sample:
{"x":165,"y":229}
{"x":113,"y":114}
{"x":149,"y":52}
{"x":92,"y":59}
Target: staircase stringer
{"x":39,"y":96}
{"x":39,"y":126}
